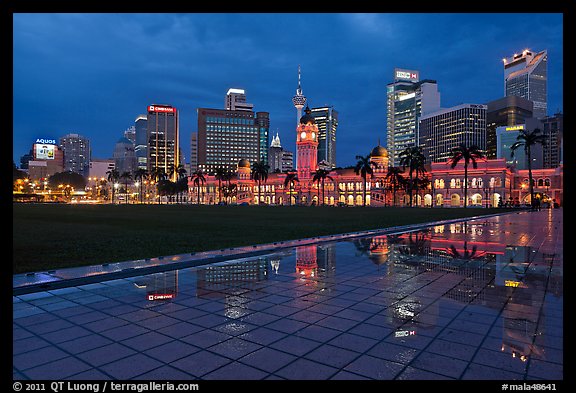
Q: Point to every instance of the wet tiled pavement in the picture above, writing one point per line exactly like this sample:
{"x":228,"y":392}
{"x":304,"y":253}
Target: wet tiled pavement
{"x":481,"y":299}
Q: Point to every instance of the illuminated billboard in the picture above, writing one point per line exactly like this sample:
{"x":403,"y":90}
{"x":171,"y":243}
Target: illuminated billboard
{"x":44,"y":151}
{"x":162,"y":109}
{"x":410,"y":75}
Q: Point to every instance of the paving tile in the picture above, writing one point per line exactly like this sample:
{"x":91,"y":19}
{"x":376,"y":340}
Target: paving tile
{"x":374,"y":368}
{"x":263,"y":336}
{"x":200,"y":363}
{"x":395,"y":353}
{"x":482,"y":372}
{"x":234,"y":348}
{"x":332,"y":356}
{"x":234,"y":328}
{"x":37,"y":357}
{"x":545,"y":370}
{"x":452,"y":349}
{"x":28,"y":344}
{"x":341,"y":324}
{"x":180,"y":329}
{"x":131,"y":367}
{"x":353,"y":342}
{"x":206,"y":338}
{"x":414,"y":374}
{"x":58,"y":369}
{"x":295,"y":345}
{"x":171,"y":351}
{"x":146,"y":341}
{"x":49,"y":326}
{"x":286,"y":325}
{"x":236,"y":371}
{"x":166,"y":373}
{"x":318,"y":333}
{"x":501,"y":360}
{"x":92,"y":374}
{"x":439,"y":364}
{"x":348,"y":376}
{"x":106,"y":354}
{"x":267,"y":359}
{"x":67,"y":334}
{"x":304,"y":369}
{"x":123,"y":332}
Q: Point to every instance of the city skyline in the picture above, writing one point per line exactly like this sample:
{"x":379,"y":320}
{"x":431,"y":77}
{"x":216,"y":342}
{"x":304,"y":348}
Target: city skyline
{"x":190,"y":61}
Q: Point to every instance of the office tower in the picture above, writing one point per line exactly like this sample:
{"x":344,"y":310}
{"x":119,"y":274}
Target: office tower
{"x":263,"y":124}
{"x":162,"y":139}
{"x":554,"y":132}
{"x":408,"y":98}
{"x":225,"y":137}
{"x":124,"y":156}
{"x":193,"y":152}
{"x":506,"y":136}
{"x":443,"y":130}
{"x":526,"y":75}
{"x":76,"y":150}
{"x":299,"y":100}
{"x":47,"y":159}
{"x":327,"y":121}
{"x":280,"y":160}
{"x":130,"y":133}
{"x":236,"y":101}
{"x":140,"y":142}
{"x":506,"y":111}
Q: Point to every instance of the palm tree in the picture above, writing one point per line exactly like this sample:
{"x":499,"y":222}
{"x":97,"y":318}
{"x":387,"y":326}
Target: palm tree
{"x":220,"y":174}
{"x":395,"y":179}
{"x":198,"y":179}
{"x":127,"y":176}
{"x":181,"y":186}
{"x":113,"y":176}
{"x":291,"y":177}
{"x":140,"y":175}
{"x":319,"y":177}
{"x":528,"y":139}
{"x":363,"y":168}
{"x":260,"y":173}
{"x":412,"y":158}
{"x":469,"y":155}
{"x":158,"y":174}
{"x":180,"y":174}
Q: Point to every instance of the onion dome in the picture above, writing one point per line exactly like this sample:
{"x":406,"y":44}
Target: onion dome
{"x":243,"y":163}
{"x":307,"y":118}
{"x":379,"y":151}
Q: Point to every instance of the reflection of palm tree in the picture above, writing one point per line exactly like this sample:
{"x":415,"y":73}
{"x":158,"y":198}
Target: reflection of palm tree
{"x":466,"y":254}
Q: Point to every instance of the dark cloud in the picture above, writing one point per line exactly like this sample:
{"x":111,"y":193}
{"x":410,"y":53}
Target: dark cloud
{"x":94,"y":73}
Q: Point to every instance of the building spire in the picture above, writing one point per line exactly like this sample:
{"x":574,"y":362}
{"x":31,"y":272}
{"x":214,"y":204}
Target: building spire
{"x":299,"y":89}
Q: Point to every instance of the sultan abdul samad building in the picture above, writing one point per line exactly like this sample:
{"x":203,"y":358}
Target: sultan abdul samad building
{"x":491,"y":183}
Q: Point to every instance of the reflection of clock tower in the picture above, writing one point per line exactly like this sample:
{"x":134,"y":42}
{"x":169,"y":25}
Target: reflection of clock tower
{"x":306,"y":146}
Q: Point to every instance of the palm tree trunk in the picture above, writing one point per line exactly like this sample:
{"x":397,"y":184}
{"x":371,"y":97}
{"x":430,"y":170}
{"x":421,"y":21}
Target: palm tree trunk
{"x":465,"y":184}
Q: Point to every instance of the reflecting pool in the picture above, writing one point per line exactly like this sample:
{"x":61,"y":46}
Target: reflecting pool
{"x":480,"y":299}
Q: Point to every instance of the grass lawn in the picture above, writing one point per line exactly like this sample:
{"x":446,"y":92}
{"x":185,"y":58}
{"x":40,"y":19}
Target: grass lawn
{"x":51,"y":236}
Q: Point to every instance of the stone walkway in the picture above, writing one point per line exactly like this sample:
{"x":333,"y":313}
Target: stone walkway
{"x":482,"y":300}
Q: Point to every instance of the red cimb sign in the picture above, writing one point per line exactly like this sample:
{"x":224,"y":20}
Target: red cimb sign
{"x":166,"y":109}
{"x":161,"y":296}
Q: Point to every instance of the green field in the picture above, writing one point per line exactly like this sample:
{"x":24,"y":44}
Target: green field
{"x":51,"y":236}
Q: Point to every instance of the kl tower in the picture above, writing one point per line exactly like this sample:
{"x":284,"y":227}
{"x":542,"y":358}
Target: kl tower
{"x":299,"y":99}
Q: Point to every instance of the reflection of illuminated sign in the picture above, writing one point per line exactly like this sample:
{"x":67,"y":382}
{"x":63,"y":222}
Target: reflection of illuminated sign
{"x":44,"y":151}
{"x":161,"y":296}
{"x":515,"y":128}
{"x":404,"y":333}
{"x":152,"y":108}
{"x":510,"y":283}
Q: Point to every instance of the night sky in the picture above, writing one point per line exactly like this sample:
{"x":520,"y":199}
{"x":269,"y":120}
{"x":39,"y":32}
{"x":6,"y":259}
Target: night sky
{"x":93,"y":74}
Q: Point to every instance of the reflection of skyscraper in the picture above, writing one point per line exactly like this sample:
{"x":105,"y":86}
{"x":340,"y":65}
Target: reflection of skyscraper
{"x":326,"y":259}
{"x":160,"y":286}
{"x":218,"y":280}
{"x":526,"y":75}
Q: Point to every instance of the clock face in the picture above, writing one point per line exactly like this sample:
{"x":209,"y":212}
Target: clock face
{"x":303,"y":135}
{"x":313,"y":135}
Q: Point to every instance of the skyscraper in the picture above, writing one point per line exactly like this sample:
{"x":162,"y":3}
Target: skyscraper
{"x":408,"y":98}
{"x":526,"y":75}
{"x":124,"y":156}
{"x":163,"y":150}
{"x":326,"y":119}
{"x":193,"y":152}
{"x":280,"y":160}
{"x":299,"y":100}
{"x":554,"y":134}
{"x":443,"y":130}
{"x":506,"y":136}
{"x":226,"y":136}
{"x":141,"y":127}
{"x":506,"y":111}
{"x":236,"y":101}
{"x":76,"y":149}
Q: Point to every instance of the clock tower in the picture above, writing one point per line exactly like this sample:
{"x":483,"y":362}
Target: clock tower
{"x":306,"y":146}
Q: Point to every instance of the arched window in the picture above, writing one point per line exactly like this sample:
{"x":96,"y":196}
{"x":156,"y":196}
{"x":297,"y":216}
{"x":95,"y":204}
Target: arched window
{"x":452,"y":183}
{"x":547,"y":182}
{"x":540,"y":182}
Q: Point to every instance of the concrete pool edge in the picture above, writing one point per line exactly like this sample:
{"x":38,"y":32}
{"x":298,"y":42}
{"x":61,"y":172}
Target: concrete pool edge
{"x":41,"y":281}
